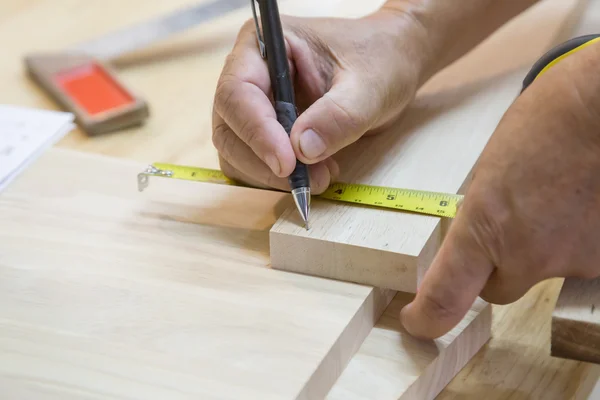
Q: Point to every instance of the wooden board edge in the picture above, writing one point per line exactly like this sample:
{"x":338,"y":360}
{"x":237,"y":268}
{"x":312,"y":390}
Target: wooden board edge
{"x":575,"y":326}
{"x":453,"y":358}
{"x":367,"y":369}
{"x":588,"y":384}
{"x":364,"y":266}
{"x":347,"y":344}
{"x":571,"y":340}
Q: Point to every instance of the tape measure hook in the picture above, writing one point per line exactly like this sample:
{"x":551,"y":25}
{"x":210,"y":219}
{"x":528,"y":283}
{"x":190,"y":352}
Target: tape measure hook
{"x":151,"y":170}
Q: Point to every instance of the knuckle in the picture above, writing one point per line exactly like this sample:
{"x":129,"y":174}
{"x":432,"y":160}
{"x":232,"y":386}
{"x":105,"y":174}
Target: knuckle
{"x":253,"y":131}
{"x":436,"y":308}
{"x":265,"y":176}
{"x":487,"y":222}
{"x":347,"y":121}
{"x":225,"y":166}
{"x":225,"y":97}
{"x":344,"y":126}
{"x":223,"y":140}
{"x":248,"y":26}
{"x":231,"y":66}
{"x":228,"y":169}
{"x":230,"y":59}
{"x":251,"y":134}
{"x":217,"y":135}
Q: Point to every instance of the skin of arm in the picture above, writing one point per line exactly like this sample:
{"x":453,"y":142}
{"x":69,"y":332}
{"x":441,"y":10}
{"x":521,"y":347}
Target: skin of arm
{"x":453,"y":28}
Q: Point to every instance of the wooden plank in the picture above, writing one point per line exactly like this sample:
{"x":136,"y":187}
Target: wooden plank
{"x":589,"y":389}
{"x":576,"y":321}
{"x":433,"y":147}
{"x":515,"y":363}
{"x":107,"y":292}
{"x":392,"y":365}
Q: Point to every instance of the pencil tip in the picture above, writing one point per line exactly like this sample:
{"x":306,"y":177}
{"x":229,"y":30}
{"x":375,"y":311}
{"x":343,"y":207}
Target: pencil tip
{"x":302,"y":200}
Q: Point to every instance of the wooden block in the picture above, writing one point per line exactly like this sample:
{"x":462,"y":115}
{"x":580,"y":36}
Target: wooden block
{"x":576,"y":321}
{"x":392,"y":365}
{"x":106,"y":292}
{"x":433,"y":147}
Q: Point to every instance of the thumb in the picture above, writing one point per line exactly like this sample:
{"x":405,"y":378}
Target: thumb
{"x":340,"y":117}
{"x":449,"y":288}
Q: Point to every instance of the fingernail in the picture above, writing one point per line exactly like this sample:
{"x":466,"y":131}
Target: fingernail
{"x":311,"y":144}
{"x":273,"y":163}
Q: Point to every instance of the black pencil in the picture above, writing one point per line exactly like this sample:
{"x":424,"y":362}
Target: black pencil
{"x":283,"y":95}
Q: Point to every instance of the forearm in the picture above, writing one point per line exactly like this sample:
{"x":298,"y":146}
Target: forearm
{"x":452,"y":28}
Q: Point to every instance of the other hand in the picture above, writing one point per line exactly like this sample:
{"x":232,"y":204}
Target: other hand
{"x":532,"y":210}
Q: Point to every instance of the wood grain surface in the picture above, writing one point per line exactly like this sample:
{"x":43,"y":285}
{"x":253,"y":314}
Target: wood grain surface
{"x":393,"y":365}
{"x":178,"y":77}
{"x":160,"y":280}
{"x":176,"y":294}
{"x":576,"y":321}
{"x":433,"y":148}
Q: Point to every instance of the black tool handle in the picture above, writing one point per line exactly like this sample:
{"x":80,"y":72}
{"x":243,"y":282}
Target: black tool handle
{"x":554,"y":54}
{"x":281,"y":81}
{"x":279,"y":70}
{"x":286,"y":115}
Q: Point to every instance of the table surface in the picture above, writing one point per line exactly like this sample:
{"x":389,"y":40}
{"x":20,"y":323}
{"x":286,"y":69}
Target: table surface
{"x":178,"y":77}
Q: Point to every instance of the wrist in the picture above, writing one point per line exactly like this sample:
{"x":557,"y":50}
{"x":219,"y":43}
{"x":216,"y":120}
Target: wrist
{"x":411,"y":39}
{"x":447,"y":30}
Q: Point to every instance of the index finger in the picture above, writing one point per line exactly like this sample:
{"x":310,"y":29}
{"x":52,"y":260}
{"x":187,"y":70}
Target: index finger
{"x":242,"y":101}
{"x":449,"y":288}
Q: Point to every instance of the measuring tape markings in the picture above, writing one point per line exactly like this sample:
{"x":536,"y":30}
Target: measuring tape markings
{"x":423,"y":202}
{"x":419,"y":201}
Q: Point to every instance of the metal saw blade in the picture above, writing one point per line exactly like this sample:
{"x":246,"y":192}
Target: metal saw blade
{"x":143,"y":34}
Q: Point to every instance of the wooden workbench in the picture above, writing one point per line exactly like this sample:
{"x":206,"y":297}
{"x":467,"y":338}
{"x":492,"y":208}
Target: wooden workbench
{"x":179,"y":80}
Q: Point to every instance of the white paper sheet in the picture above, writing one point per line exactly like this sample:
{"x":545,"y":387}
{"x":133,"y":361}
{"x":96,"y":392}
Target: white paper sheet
{"x":25,"y":133}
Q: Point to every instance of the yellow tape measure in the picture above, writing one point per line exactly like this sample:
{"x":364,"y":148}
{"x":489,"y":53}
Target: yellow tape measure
{"x":432,"y":203}
{"x":422,"y":202}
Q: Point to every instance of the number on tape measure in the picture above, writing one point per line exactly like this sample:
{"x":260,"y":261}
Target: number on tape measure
{"x":437,"y":204}
{"x":422,"y":202}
